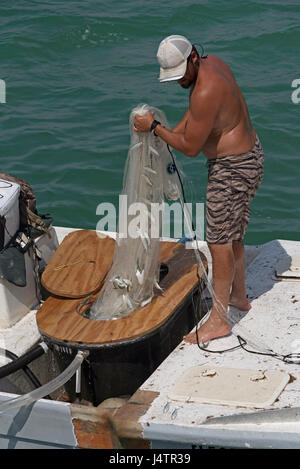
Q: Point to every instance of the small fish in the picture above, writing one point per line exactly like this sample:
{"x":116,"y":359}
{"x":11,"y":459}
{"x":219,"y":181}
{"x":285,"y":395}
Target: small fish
{"x":153,"y":150}
{"x":145,"y":177}
{"x":150,"y":170}
{"x":146,"y":236}
{"x":174,"y":414}
{"x":117,"y":282}
{"x":127,"y":301}
{"x":156,"y":284}
{"x":137,"y":145}
{"x":116,"y":316}
{"x":127,"y":282}
{"x":145,"y":302}
{"x":145,"y":245}
{"x":121,"y":283}
{"x":151,"y":216}
{"x":140,"y":276}
{"x":145,"y":239}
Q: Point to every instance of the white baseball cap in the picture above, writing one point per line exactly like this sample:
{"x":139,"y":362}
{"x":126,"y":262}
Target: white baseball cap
{"x":172,"y":55}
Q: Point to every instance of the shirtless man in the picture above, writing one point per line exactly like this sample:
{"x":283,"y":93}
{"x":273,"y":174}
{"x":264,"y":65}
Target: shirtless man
{"x":217,"y":124}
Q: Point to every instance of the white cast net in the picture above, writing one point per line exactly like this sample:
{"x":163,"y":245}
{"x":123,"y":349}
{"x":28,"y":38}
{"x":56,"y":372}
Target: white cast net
{"x":149,"y":175}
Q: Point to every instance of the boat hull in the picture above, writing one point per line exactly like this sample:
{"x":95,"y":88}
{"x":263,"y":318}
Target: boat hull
{"x":120,"y":368}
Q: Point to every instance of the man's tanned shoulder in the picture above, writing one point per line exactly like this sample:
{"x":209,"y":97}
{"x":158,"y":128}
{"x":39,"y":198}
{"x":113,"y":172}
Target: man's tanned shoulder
{"x":206,"y":96}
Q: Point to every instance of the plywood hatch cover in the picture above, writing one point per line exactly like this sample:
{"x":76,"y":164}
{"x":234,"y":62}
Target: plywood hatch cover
{"x":62,"y":319}
{"x":79,"y":265}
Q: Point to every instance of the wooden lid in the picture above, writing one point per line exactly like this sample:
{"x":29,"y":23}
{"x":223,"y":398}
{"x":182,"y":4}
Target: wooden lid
{"x":62,"y":320}
{"x":79,"y":265}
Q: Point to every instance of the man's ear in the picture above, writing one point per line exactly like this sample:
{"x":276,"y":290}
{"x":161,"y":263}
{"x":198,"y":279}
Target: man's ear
{"x":194,"y":57}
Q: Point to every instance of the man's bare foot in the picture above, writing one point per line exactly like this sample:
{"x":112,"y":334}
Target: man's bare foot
{"x":241,"y":304}
{"x":211,"y":329}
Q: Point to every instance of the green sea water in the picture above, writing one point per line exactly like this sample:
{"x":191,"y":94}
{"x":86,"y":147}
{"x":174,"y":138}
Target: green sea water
{"x":75,"y":69}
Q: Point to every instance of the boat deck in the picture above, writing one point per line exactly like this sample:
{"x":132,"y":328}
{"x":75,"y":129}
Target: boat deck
{"x":273,"y":320}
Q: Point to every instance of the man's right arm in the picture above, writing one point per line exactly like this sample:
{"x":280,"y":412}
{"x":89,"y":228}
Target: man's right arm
{"x":179,"y":128}
{"x":203,"y":110}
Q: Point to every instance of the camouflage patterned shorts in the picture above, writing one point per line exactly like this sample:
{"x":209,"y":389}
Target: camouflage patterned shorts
{"x":232,"y":183}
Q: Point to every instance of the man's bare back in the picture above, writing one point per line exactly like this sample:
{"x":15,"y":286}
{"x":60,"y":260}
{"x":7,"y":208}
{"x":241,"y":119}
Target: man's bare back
{"x":232,"y":132}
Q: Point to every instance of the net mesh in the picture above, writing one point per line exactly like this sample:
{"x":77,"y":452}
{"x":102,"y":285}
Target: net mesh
{"x":149,"y":175}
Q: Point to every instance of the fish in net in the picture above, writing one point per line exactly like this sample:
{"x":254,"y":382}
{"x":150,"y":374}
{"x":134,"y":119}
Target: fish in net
{"x":149,"y":175}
